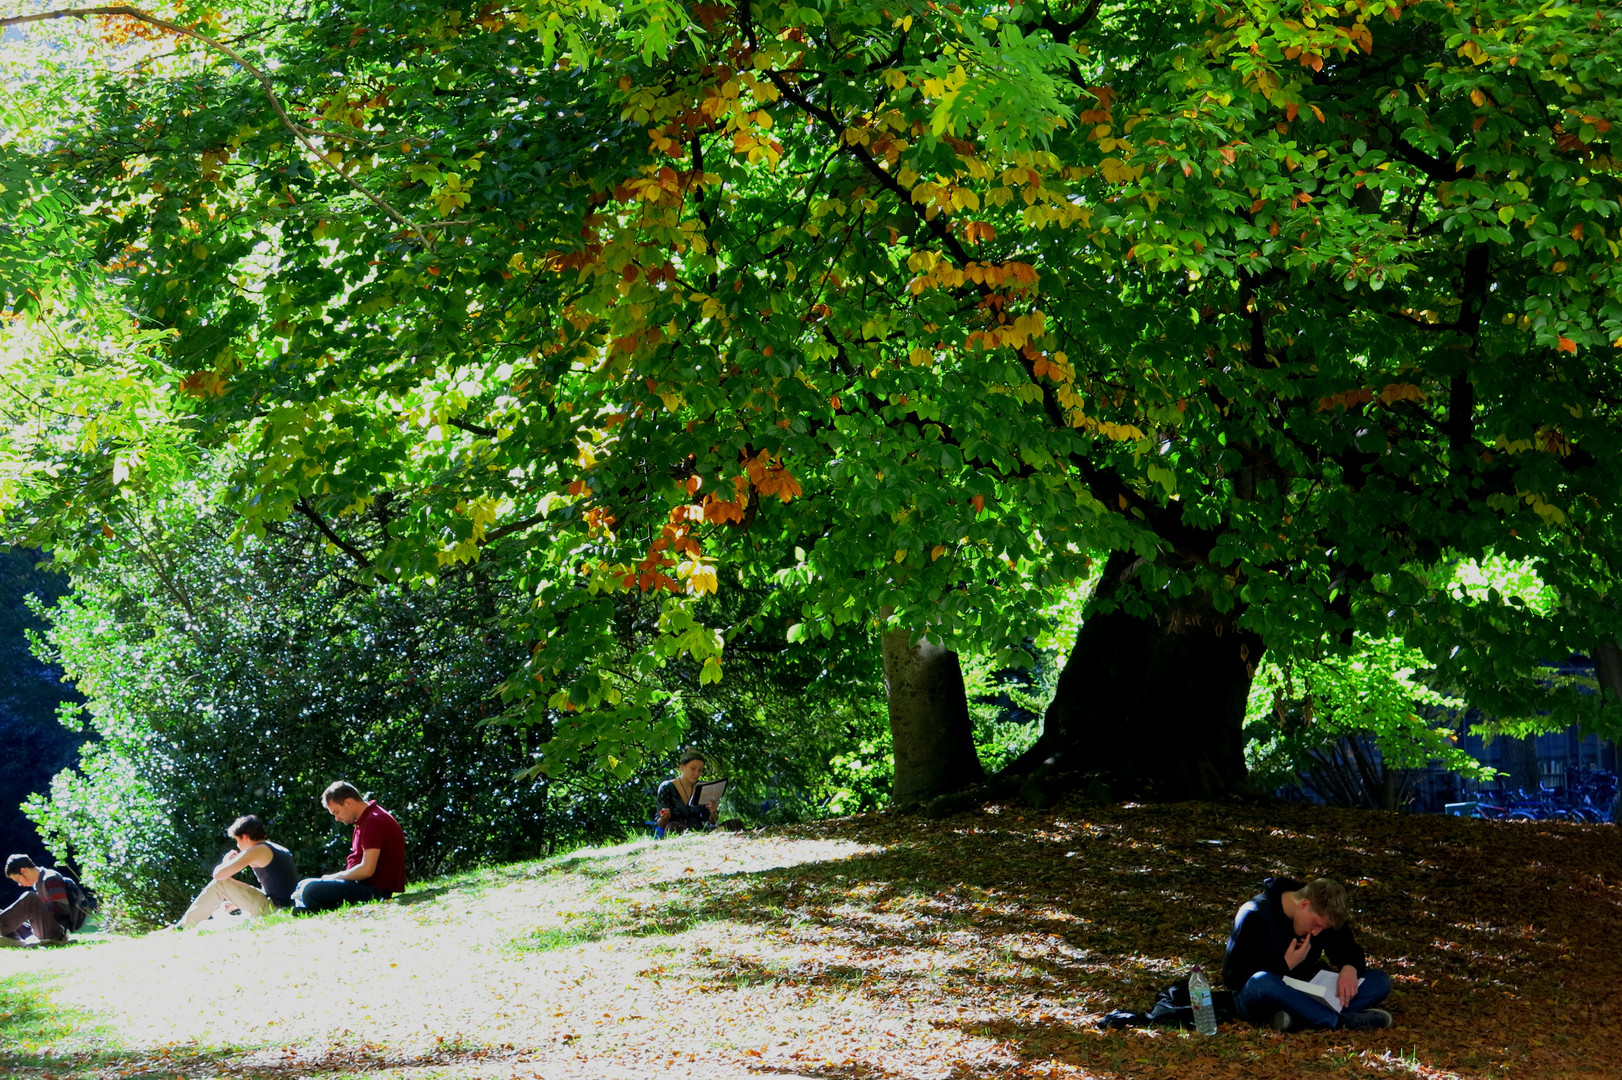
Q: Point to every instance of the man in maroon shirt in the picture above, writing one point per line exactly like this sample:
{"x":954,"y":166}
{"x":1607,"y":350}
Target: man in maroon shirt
{"x":43,"y":910}
{"x":375,"y":869}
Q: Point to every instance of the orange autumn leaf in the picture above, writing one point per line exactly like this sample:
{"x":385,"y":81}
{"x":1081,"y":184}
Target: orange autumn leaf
{"x":1347,"y":399}
{"x":721,"y":512}
{"x":1401,"y":392}
{"x":771,"y":477}
{"x":778,"y":481}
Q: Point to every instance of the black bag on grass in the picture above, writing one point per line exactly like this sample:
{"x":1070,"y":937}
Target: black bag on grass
{"x":81,"y":902}
{"x":1171,"y":1009}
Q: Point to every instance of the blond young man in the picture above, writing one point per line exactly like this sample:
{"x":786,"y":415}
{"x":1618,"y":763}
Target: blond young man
{"x":1297,"y":930}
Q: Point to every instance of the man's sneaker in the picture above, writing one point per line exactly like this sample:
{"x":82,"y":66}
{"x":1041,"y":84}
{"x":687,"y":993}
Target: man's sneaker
{"x":1366,"y":1020}
{"x":1282,"y":1021}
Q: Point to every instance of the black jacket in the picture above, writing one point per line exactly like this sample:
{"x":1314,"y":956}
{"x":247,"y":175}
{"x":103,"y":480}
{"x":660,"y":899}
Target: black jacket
{"x":683,"y":815}
{"x":1262,"y":932}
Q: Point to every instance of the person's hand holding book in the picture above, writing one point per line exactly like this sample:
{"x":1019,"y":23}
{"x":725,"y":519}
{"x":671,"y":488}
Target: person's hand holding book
{"x":1346,"y":985}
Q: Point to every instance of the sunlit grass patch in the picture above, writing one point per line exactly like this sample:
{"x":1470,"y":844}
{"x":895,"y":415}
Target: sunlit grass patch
{"x":577,"y":928}
{"x":42,"y":1037}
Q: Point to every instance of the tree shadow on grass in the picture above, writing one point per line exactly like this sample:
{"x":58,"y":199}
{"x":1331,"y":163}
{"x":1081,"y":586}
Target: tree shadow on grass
{"x":421,"y":896}
{"x":1097,"y":909}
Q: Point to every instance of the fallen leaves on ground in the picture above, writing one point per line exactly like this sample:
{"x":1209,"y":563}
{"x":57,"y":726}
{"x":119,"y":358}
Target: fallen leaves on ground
{"x":985,"y":945}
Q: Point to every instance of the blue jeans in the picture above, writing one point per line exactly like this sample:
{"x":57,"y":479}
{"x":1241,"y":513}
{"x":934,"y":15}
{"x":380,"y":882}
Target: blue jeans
{"x":1265,"y":993}
{"x":319,"y":894}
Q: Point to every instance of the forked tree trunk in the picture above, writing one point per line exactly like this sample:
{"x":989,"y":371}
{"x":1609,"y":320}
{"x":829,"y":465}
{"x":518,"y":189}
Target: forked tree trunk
{"x":1147,"y":707}
{"x":929,"y":721}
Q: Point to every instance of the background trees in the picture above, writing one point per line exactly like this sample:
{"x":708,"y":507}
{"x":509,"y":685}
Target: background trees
{"x":221,"y":683}
{"x":30,"y":693}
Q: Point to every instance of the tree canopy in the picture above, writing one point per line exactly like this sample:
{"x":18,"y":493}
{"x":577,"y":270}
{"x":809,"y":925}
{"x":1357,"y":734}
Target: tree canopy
{"x":910,"y":311}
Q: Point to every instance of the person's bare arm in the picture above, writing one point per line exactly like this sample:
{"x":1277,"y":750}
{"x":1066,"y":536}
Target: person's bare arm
{"x":237,"y":861}
{"x":362,"y":870}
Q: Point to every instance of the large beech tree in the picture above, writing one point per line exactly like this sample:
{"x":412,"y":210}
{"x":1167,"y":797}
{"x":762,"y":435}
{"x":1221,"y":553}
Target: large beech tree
{"x":912,"y":309}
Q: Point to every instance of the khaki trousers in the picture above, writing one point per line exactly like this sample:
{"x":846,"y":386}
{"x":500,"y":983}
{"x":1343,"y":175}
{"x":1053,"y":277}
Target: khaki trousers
{"x":251,"y":900}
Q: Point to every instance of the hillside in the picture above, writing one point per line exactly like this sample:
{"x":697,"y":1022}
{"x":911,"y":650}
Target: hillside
{"x":985,"y":945}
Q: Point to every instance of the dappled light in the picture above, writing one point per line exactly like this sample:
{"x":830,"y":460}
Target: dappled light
{"x":982,"y":945}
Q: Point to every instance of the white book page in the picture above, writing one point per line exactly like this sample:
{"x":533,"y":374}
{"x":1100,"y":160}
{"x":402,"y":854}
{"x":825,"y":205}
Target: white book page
{"x":1324,"y":985}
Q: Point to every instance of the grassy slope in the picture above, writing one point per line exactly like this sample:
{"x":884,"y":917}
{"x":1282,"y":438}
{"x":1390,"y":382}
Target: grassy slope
{"x":980,"y":946}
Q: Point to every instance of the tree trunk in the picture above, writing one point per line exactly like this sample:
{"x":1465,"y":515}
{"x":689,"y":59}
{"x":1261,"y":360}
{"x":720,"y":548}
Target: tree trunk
{"x":1608,"y":669}
{"x":929,"y":721}
{"x":1519,"y":758}
{"x":1147,"y":707}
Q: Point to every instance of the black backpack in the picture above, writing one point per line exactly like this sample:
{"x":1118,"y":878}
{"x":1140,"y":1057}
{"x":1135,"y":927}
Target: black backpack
{"x":81,"y":902}
{"x":1172,"y":1008}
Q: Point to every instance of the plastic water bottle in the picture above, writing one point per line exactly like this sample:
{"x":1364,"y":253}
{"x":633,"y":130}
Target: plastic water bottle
{"x":1199,"y":995}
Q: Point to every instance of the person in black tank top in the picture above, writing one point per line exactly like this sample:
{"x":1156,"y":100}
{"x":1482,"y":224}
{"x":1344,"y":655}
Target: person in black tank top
{"x":271,"y":863}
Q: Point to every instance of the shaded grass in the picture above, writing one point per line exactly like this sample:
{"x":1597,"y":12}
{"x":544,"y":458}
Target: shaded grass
{"x":984,"y":945}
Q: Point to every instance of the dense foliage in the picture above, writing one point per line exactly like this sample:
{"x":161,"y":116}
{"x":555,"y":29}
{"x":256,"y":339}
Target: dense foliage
{"x":222,"y":683}
{"x":878,"y":311}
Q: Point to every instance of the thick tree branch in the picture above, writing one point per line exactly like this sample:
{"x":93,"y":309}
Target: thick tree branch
{"x":474,"y":429}
{"x":1460,"y":424}
{"x":512,"y":527}
{"x":303,"y":507}
{"x":1062,"y":31}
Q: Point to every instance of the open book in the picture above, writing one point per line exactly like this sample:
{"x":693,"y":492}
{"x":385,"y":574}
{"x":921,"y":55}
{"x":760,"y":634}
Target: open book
{"x":1324,"y":986}
{"x":708,"y":793}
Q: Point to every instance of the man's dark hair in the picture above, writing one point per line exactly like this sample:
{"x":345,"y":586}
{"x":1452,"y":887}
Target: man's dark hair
{"x":247,"y":825}
{"x":16,"y":864}
{"x":339,"y":791}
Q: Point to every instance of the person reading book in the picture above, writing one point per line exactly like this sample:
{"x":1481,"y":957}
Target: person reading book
{"x":1294,"y":933}
{"x":675,"y":797}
